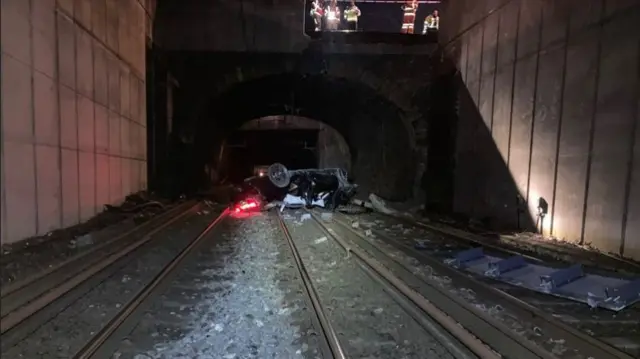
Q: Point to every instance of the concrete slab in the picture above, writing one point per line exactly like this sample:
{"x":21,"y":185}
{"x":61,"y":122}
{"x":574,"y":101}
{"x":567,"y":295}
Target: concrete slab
{"x":87,"y":188}
{"x":16,"y":31}
{"x":102,"y":181}
{"x":613,"y":134}
{"x":70,"y":196}
{"x":113,"y":73}
{"x":125,"y":138}
{"x":66,"y":6}
{"x":578,"y":95}
{"x":115,"y":180}
{"x":49,"y":188}
{"x":114,"y":133}
{"x":66,"y":51}
{"x":112,"y":24}
{"x":86,"y":124}
{"x":100,"y":78}
{"x":545,"y":131}
{"x":99,"y":19}
{"x":43,"y":21}
{"x":521,"y":122}
{"x":502,"y":110}
{"x":47,"y":122}
{"x":125,"y":87}
{"x":44,"y":52}
{"x":125,"y":173}
{"x":17,"y":104}
{"x":20,"y":190}
{"x":101,"y":129}
{"x":68,"y":118}
{"x":82,"y":12}
{"x":84,"y":63}
{"x":134,"y":101}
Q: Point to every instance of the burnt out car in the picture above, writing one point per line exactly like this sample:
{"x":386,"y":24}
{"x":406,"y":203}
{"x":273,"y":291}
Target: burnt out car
{"x":328,"y":188}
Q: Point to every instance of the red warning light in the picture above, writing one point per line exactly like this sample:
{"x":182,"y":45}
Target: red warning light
{"x":247,"y":205}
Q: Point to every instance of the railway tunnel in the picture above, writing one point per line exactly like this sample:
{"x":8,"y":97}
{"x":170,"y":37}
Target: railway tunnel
{"x":513,"y":127}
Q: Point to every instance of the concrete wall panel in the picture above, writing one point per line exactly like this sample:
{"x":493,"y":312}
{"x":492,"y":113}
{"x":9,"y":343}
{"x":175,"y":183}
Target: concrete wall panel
{"x":61,"y":69}
{"x":115,"y":179}
{"x":100,"y":78}
{"x":16,"y":30}
{"x":632,"y":228}
{"x":66,"y":51}
{"x":102,"y":129}
{"x":68,"y":118}
{"x":521,"y":121}
{"x":84,"y":63}
{"x":502,"y":110}
{"x":45,"y":107}
{"x":20,"y":193}
{"x":49,"y":189}
{"x":86,"y":124}
{"x":576,"y":123}
{"x":545,"y":132}
{"x":17,"y":103}
{"x":509,"y":18}
{"x":102,"y":181}
{"x":70,"y":184}
{"x":613,"y":134}
{"x":87,"y":184}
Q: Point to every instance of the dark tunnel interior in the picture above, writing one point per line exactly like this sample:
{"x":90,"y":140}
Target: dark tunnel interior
{"x":377,"y":141}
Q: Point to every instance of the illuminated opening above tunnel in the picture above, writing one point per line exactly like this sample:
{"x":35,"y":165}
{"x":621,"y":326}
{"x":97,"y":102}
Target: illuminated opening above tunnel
{"x":380,"y":144}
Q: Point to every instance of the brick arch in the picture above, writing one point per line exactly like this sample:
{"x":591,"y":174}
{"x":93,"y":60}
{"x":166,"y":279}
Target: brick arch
{"x":372,"y":125}
{"x":398,"y":91}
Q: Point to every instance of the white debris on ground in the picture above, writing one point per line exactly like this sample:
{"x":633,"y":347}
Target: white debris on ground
{"x":369,"y":322}
{"x":239,"y":298}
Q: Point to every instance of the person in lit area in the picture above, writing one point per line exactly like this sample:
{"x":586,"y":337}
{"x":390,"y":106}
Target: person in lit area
{"x":316,"y":13}
{"x":409,"y":18}
{"x":351,"y":14}
{"x":332,"y":16}
{"x":431,"y":23}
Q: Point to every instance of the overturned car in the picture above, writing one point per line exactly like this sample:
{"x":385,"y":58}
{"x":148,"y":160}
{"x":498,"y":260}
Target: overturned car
{"x":328,"y":188}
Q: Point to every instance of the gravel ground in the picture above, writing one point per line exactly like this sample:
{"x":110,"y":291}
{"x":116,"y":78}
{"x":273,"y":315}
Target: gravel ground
{"x":63,"y":336}
{"x":26,"y":258}
{"x":238,"y":296}
{"x":518,"y":325}
{"x":369,"y":323}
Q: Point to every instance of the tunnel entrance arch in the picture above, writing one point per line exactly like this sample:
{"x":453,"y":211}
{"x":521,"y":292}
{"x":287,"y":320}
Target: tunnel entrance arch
{"x":372,"y":126}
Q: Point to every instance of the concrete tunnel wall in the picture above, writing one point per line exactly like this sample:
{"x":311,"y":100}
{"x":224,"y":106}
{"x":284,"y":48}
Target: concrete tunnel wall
{"x":73,"y":110}
{"x":553,"y":90}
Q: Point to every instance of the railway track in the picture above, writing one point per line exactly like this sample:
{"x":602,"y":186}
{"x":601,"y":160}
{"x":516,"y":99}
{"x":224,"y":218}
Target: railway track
{"x":536,"y":318}
{"x":31,"y":303}
{"x":619,"y":329}
{"x":27,"y":297}
{"x":442,"y":339}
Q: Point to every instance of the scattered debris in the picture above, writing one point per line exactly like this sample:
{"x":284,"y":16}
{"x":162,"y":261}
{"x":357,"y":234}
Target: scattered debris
{"x":320,"y":240}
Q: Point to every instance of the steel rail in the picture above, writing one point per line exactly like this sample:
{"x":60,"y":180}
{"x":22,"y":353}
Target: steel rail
{"x":329,"y":332}
{"x":105,"y":333}
{"x":587,"y":344}
{"x":12,"y":287}
{"x":475,"y":345}
{"x":21,"y":313}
